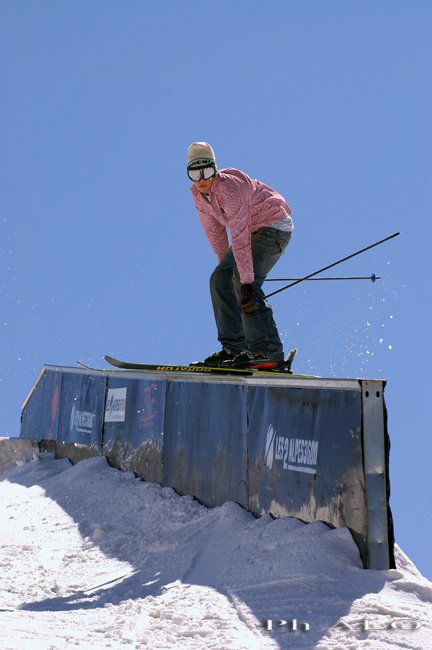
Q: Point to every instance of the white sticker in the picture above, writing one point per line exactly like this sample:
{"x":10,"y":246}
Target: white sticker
{"x":115,"y":410}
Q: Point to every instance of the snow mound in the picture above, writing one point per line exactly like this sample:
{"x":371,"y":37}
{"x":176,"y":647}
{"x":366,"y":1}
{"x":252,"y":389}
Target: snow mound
{"x":15,"y":451}
{"x":93,"y":557}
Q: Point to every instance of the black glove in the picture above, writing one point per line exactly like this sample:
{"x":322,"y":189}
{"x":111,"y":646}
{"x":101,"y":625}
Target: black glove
{"x":249,"y":301}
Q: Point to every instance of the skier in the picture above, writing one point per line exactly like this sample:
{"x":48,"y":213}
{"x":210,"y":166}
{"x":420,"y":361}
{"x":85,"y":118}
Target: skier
{"x":260,"y":225}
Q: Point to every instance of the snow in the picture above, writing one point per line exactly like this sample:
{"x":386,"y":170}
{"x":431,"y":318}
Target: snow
{"x":91,"y":557}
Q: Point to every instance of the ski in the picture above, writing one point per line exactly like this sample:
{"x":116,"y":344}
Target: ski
{"x":162,"y":367}
{"x":150,"y":367}
{"x":264,"y":368}
{"x":264,"y":365}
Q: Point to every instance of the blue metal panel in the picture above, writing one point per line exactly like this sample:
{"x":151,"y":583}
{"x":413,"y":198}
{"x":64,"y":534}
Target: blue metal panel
{"x":305,"y":455}
{"x":134,"y":425}
{"x":31,"y":412}
{"x":40,"y":416}
{"x":205,"y":442}
{"x":81,"y":409}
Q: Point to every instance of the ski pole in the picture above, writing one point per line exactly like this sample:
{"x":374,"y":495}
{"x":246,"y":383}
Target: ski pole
{"x":329,"y":266}
{"x":372,"y":278}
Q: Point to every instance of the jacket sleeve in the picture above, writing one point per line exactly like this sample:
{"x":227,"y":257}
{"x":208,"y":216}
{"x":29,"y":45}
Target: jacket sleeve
{"x":236,"y":204}
{"x":216,"y":234}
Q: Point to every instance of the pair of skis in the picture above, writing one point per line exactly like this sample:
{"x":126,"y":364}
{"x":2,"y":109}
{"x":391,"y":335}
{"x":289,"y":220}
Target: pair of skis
{"x":267,"y":367}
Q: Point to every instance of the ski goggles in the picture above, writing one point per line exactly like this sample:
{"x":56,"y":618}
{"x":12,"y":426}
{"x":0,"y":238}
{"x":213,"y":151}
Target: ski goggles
{"x":200,"y":170}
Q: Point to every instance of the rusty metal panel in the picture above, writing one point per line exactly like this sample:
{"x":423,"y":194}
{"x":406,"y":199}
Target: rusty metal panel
{"x":205,"y":441}
{"x":134,"y":425}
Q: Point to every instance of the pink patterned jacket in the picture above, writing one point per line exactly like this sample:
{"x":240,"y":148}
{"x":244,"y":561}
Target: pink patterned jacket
{"x":243,"y":205}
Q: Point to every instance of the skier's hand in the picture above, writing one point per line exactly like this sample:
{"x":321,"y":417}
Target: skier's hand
{"x":249,"y":301}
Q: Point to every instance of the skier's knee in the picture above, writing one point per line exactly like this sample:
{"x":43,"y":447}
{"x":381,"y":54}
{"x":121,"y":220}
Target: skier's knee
{"x":219,"y":279}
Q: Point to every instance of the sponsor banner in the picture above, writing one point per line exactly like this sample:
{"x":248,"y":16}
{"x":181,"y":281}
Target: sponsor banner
{"x":82,"y":408}
{"x":296,"y":454}
{"x":82,"y":421}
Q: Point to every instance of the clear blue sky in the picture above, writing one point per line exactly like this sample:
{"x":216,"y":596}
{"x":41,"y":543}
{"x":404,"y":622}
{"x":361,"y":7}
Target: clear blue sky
{"x":328,"y":101}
